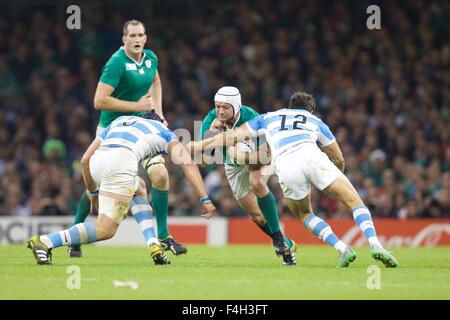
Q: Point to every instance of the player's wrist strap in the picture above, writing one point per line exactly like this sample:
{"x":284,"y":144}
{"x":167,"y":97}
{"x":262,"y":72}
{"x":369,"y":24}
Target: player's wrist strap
{"x":94,"y":193}
{"x":205,"y":200}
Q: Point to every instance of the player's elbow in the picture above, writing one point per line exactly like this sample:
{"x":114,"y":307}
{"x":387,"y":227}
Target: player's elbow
{"x":340,"y":163}
{"x":85,"y":161}
{"x":98,"y":103}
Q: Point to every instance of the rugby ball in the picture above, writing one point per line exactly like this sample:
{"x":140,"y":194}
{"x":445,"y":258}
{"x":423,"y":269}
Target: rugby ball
{"x":246,"y":146}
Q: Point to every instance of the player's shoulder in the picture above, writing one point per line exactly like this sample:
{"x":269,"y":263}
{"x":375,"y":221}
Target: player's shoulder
{"x":212,"y":113}
{"x":150,"y":53}
{"x":248,"y":109}
{"x":314,"y":117}
{"x":119,"y":54}
{"x":117,"y":57}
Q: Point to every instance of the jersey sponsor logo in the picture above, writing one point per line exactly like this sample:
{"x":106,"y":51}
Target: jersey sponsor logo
{"x":141,"y":71}
{"x":129,"y":123}
{"x":148,"y":63}
{"x":130,"y":66}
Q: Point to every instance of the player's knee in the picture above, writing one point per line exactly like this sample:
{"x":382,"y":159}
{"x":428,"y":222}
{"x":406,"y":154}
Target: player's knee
{"x":104,"y":232}
{"x":159,"y":177}
{"x":142,"y":189}
{"x":351,"y":199}
{"x":259,"y":187}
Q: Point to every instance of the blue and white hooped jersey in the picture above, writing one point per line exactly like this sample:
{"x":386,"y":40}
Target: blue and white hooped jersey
{"x":288,"y":128}
{"x":145,"y":138}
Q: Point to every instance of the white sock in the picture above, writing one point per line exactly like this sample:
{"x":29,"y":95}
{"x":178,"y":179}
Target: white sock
{"x":374,"y":242}
{"x":46,"y":241}
{"x":152,"y":240}
{"x":340,"y":246}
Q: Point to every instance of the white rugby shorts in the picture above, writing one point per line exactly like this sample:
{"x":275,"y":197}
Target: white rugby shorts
{"x":115,"y":170}
{"x":298,"y":169}
{"x":239,"y":178}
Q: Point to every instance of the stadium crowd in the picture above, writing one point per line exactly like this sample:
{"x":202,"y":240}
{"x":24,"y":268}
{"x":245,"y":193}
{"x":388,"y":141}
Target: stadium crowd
{"x":384,"y":93}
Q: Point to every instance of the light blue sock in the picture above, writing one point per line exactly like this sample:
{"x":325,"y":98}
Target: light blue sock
{"x":363,"y":219}
{"x":143,"y":213}
{"x":323,"y":231}
{"x":78,"y":234}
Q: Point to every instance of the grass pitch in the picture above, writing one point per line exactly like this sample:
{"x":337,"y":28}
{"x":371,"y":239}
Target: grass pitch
{"x":231,"y":272}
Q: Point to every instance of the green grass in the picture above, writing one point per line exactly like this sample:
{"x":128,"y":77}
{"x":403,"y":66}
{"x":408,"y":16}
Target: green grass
{"x":232,"y":272}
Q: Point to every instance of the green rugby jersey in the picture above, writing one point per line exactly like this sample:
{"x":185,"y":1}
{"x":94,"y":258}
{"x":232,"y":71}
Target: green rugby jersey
{"x":247,"y":114}
{"x":129,"y":79}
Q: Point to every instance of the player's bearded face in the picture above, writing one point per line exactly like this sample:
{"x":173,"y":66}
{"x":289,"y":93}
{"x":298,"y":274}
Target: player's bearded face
{"x":224,"y":111}
{"x":135,"y":40}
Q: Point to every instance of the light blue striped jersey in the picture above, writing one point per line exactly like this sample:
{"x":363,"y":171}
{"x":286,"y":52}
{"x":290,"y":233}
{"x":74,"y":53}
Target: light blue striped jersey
{"x":287,"y":129}
{"x":145,"y":138}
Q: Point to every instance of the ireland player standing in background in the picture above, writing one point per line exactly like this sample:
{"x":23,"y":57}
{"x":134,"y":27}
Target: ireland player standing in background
{"x":249,"y":186}
{"x":130,"y":85}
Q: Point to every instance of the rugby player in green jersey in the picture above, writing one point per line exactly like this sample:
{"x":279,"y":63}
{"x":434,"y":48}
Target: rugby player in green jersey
{"x":248,"y":182}
{"x":130,"y":85}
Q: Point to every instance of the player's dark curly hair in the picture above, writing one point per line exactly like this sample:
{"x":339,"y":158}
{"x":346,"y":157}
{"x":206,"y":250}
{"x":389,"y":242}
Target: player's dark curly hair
{"x":302,"y":100}
{"x":152,"y":116}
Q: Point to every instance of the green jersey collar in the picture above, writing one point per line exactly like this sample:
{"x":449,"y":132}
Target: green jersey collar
{"x":143,"y":57}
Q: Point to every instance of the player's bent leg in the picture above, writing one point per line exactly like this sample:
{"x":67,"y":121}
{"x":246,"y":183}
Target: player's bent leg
{"x":249,"y":204}
{"x":159,"y":177}
{"x":302,"y":210}
{"x":112,"y":209}
{"x":267,"y":204}
{"x":142,"y":213}
{"x":343,"y":190}
{"x":105,"y":227}
{"x":41,"y":246}
{"x":239,"y":181}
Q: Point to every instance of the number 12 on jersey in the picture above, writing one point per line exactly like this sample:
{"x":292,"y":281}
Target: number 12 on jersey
{"x":295,"y":125}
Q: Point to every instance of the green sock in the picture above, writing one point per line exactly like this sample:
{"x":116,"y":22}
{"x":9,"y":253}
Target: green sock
{"x":83,"y":208}
{"x":160,"y":204}
{"x":266,"y":229}
{"x":288,"y":241}
{"x":269,"y":209}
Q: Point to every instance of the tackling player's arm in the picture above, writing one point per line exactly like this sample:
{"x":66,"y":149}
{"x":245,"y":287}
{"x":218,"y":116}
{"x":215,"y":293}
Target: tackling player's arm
{"x":180,"y":156}
{"x":103,"y":100}
{"x":262,"y":156}
{"x":228,"y":138}
{"x":91,"y":186}
{"x":335,"y":154}
{"x":328,"y":144}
